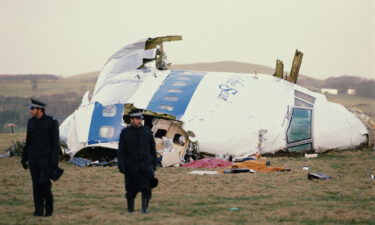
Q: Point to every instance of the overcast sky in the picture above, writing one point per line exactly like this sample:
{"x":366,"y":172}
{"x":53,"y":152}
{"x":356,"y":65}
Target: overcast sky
{"x":66,"y":37}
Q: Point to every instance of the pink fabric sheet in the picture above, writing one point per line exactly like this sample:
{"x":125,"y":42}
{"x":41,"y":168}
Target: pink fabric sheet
{"x":208,"y":163}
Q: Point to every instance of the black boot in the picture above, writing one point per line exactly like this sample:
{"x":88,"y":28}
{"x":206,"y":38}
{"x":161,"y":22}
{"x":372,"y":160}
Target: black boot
{"x":145,"y":202}
{"x":48,"y":205}
{"x":38,"y":213}
{"x":49,"y":212}
{"x":130,"y":205}
{"x":38,"y":202}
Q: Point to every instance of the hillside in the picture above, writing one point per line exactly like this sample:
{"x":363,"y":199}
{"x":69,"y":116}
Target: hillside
{"x":64,"y":95}
{"x":80,"y":83}
{"x":88,"y":77}
{"x":224,"y":66}
{"x":29,"y":77}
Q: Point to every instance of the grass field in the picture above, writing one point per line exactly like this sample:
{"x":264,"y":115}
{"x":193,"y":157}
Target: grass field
{"x":95,"y":195}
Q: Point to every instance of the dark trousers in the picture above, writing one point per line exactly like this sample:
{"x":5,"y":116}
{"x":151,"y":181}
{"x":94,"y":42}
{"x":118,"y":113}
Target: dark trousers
{"x":135,"y":183}
{"x":43,"y":198}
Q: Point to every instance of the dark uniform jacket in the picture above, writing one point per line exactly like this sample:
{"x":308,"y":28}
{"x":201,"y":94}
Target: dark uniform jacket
{"x":42,"y":141}
{"x":136,"y":153}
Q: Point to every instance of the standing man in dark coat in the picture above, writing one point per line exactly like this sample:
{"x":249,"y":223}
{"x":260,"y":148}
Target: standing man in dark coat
{"x":137,"y":160}
{"x":41,"y":156}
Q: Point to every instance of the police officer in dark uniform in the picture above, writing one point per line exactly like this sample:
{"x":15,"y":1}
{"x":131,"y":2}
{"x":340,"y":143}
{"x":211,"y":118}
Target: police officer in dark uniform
{"x":41,"y":156}
{"x":137,"y":160}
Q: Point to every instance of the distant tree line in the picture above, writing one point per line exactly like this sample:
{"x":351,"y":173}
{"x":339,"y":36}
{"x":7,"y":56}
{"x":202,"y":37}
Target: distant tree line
{"x":366,"y":89}
{"x":363,"y":87}
{"x":29,"y":77}
{"x":16,"y":109}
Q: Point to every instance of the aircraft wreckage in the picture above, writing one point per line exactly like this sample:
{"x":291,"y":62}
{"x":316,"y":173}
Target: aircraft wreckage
{"x":194,"y":113}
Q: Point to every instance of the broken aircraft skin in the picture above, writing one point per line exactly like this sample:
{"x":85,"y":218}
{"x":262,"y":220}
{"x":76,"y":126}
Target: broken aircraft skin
{"x":225,"y":113}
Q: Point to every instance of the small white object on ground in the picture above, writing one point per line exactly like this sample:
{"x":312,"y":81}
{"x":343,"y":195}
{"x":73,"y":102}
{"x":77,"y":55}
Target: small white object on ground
{"x":308,"y":156}
{"x":203,"y":172}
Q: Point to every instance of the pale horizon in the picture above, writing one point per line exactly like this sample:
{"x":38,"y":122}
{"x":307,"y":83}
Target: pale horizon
{"x":73,"y":37}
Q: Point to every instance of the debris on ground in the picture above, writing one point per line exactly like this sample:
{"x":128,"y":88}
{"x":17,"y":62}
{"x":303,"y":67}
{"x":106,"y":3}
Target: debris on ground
{"x":208,"y":163}
{"x":318,"y":176}
{"x":203,"y":172}
{"x":234,"y":209}
{"x":309,"y":156}
{"x":5,"y":155}
{"x":246,"y":159}
{"x":256,"y":165}
{"x":305,"y":168}
{"x":239,"y":170}
{"x":170,"y":159}
{"x":15,"y":149}
{"x":82,"y":162}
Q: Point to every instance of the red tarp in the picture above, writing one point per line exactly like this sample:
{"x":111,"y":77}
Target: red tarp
{"x":208,"y":163}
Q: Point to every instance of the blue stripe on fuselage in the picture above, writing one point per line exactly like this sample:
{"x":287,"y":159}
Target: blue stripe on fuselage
{"x":98,"y":121}
{"x":174,"y":95}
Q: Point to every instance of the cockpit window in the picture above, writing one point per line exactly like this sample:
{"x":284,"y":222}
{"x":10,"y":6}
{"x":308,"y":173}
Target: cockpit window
{"x":301,"y":103}
{"x":300,"y":127}
{"x":303,"y":100}
{"x":304,"y":96}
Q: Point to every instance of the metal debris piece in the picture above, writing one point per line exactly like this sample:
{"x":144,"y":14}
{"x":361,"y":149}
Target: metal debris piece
{"x":297,"y":60}
{"x":82,"y":162}
{"x":239,"y":170}
{"x":305,"y":168}
{"x":16,"y":148}
{"x":5,"y":155}
{"x":234,"y":209}
{"x":203,"y":172}
{"x":318,"y":176}
{"x":279,"y":70}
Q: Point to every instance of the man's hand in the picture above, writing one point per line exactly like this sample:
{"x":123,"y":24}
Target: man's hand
{"x":122,"y":170}
{"x":24,"y":165}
